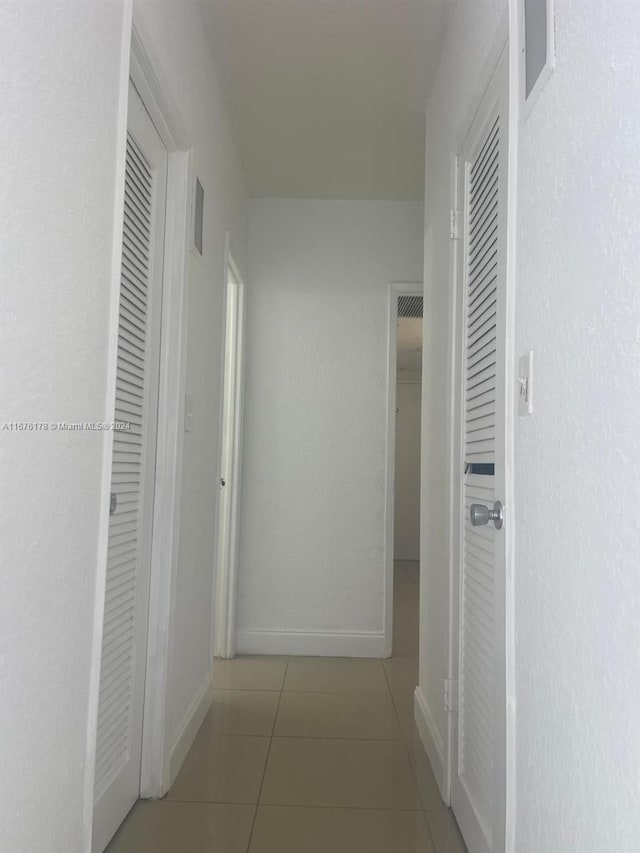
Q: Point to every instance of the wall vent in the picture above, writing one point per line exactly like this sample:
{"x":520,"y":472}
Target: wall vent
{"x":410,"y":306}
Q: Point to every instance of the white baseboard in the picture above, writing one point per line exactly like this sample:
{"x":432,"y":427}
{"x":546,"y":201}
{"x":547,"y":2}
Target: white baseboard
{"x":431,"y":740}
{"x":184,"y":737}
{"x":313,"y":644}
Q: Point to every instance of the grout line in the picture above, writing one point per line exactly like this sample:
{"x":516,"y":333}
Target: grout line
{"x":307,"y":690}
{"x":285,"y":805}
{"x":267,"y":736}
{"x":231,"y":735}
{"x":245,"y":690}
{"x":360,"y":692}
{"x":341,"y":737}
{"x":266,"y":763}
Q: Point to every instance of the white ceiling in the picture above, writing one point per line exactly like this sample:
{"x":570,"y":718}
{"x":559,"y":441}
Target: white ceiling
{"x":327,"y":97}
{"x":409,"y":345}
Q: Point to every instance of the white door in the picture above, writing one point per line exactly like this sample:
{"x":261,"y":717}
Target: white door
{"x":124,"y":642}
{"x":479,"y":729}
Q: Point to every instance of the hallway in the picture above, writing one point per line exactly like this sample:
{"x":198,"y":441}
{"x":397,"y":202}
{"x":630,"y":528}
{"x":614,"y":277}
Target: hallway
{"x":306,"y":755}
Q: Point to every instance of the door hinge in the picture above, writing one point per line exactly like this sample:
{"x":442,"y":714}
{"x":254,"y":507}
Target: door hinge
{"x":448,"y":694}
{"x":454,"y":225}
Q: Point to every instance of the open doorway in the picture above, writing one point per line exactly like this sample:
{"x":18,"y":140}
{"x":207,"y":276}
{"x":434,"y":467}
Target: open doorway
{"x":406,"y":514}
{"x":224,"y":635}
{"x":403,"y":460}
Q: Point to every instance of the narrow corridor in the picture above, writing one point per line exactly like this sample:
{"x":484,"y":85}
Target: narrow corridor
{"x":306,"y":755}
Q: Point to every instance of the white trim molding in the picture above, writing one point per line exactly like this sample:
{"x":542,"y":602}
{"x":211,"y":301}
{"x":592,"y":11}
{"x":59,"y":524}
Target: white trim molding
{"x":225,"y":586}
{"x":188,"y":727}
{"x":431,"y":741}
{"x":355,"y":644}
{"x":528,"y":102}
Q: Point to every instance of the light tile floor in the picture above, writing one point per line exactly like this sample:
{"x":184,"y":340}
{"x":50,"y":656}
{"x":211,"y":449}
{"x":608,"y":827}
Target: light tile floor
{"x":306,"y":755}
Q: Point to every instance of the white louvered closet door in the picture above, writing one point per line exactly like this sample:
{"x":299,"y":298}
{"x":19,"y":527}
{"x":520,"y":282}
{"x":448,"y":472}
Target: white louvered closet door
{"x":478,"y":780}
{"x":124,"y":642}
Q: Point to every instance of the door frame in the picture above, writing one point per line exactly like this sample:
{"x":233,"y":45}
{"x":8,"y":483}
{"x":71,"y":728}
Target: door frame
{"x":230,"y":466}
{"x":396,"y":289}
{"x":152,"y":88}
{"x":503,"y":44}
{"x":140,"y":65}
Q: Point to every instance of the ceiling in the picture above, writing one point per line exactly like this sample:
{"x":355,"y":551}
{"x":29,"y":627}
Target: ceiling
{"x":327,"y":97}
{"x":409,"y":345}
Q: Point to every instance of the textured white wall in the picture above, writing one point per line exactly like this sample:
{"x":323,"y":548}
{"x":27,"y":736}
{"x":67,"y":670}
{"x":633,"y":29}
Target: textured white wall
{"x":577,"y":483}
{"x":62,"y":92}
{"x":313,"y":492}
{"x":179,"y":37}
{"x":406,"y":534}
{"x":578,"y":456}
{"x":64,"y":83}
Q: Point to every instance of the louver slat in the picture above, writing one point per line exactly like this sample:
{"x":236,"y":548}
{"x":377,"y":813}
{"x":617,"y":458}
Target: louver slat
{"x":117,"y":666}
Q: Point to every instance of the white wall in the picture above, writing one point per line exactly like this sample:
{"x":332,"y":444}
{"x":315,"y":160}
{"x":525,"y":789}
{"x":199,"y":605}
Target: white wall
{"x":578,"y":456}
{"x":406,"y":534}
{"x":312,"y":574}
{"x":577,"y":607}
{"x":179,"y":37}
{"x":64,"y":83}
{"x":62,"y":91}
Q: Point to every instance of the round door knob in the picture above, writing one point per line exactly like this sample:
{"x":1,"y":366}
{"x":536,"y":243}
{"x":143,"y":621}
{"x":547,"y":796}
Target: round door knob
{"x":481,"y":515}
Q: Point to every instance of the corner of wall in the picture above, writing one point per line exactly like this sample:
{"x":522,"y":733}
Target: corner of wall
{"x":188,"y":728}
{"x":431,"y":741}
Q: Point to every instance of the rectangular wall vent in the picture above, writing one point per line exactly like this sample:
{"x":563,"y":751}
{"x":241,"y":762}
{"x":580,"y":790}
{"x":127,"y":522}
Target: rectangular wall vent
{"x":410,"y":306}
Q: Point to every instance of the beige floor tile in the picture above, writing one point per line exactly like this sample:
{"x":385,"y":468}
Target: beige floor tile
{"x":406,"y":565}
{"x":241,"y":712}
{"x":405,"y":645}
{"x":406,"y":595}
{"x":404,"y":709}
{"x":341,"y":773}
{"x":337,"y":715}
{"x":165,"y":827}
{"x":249,"y":673}
{"x":402,"y":674}
{"x":280,"y":829}
{"x":412,"y":572}
{"x":408,"y":628}
{"x":406,"y":618}
{"x":445,"y":833}
{"x":335,"y":675}
{"x":222,"y":769}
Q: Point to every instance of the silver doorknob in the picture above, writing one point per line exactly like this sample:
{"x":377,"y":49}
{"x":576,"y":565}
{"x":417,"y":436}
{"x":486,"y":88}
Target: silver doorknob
{"x":481,"y":514}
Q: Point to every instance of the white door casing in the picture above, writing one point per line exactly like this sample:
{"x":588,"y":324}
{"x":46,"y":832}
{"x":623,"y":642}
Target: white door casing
{"x":226,"y":583}
{"x":396,"y":290}
{"x":479,"y":726}
{"x":124,"y":644}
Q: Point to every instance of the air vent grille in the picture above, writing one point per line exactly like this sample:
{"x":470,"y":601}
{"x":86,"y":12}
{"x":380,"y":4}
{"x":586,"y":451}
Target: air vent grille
{"x":410,"y":306}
